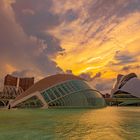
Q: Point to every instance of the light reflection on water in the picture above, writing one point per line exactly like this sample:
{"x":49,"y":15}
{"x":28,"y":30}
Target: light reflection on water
{"x":111,"y":123}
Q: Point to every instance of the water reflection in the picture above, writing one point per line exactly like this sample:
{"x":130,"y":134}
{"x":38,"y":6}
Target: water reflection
{"x":102,"y":124}
{"x":111,"y":123}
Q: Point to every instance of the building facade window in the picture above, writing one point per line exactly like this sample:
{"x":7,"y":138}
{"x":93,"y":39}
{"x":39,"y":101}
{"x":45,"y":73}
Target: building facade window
{"x":64,"y":94}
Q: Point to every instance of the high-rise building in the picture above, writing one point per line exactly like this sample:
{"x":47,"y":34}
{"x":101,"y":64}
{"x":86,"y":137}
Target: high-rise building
{"x":26,"y":83}
{"x":10,"y":80}
{"x":14,"y":86}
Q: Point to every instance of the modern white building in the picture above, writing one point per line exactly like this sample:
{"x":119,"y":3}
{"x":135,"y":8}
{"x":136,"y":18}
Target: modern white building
{"x":128,"y":87}
{"x":59,"y":91}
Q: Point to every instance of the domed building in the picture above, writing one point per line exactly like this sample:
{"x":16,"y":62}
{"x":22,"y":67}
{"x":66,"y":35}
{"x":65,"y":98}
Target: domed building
{"x":127,"y":87}
{"x":59,"y":91}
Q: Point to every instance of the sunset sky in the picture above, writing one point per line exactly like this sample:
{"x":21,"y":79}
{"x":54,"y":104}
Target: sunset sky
{"x":96,"y":39}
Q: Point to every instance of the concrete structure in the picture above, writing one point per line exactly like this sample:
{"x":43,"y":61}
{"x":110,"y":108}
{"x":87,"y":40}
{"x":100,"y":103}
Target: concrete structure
{"x":11,"y":92}
{"x":23,"y":83}
{"x":127,"y":87}
{"x":61,"y":90}
{"x":26,"y":83}
{"x":14,"y":86}
{"x":10,"y":80}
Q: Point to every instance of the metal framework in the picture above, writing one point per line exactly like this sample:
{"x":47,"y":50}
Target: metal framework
{"x":71,"y":93}
{"x":11,"y":92}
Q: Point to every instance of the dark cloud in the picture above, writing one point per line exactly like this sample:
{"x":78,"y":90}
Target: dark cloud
{"x":46,"y":65}
{"x":124,"y":58}
{"x":70,"y":15}
{"x":39,"y":22}
{"x":22,"y":50}
{"x":110,"y":12}
{"x":97,"y":75}
{"x":52,"y":43}
{"x":27,"y":44}
{"x":22,"y":73}
{"x":110,"y":8}
{"x":88,"y":77}
{"x":102,"y":85}
{"x":105,"y":85}
{"x":130,"y":67}
{"x":41,"y":18}
{"x":126,"y":68}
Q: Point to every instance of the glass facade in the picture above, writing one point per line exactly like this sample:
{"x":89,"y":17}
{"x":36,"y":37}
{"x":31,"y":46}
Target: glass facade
{"x":32,"y":102}
{"x":73,"y":93}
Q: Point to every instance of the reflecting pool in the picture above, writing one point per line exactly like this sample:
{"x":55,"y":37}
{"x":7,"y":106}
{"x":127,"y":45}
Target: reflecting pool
{"x":110,"y":123}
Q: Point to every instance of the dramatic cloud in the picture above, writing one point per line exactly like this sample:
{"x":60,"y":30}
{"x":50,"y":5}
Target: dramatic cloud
{"x":95,"y":39}
{"x":101,"y":29}
{"x":71,"y":15}
{"x":103,"y":85}
{"x":131,"y":67}
{"x":86,"y":76}
{"x":98,"y":75}
{"x":123,"y":58}
{"x":21,"y":48}
{"x":38,"y":22}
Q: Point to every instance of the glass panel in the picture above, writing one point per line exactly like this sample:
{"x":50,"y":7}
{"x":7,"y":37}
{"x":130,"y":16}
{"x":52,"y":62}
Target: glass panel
{"x":51,"y":95}
{"x":65,"y":89}
{"x":46,"y":96}
{"x":56,"y":92}
{"x":58,"y":103}
{"x":32,"y":102}
{"x":67,"y":85}
{"x":72,"y":86}
{"x":96,"y":94}
{"x":60,"y":90}
{"x":84,"y":85}
{"x":75,"y":85}
{"x":62,"y":102}
{"x":90,"y":98}
{"x":77,"y":93}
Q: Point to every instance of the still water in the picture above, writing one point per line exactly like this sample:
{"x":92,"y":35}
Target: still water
{"x":111,"y":123}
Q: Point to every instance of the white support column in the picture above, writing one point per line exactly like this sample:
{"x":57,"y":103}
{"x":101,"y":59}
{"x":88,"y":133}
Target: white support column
{"x":45,"y":105}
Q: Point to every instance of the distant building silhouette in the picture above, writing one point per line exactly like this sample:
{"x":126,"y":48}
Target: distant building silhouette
{"x":11,"y":92}
{"x":127,"y":87}
{"x":14,"y":86}
{"x":10,"y":80}
{"x":26,"y":83}
{"x":107,"y":95}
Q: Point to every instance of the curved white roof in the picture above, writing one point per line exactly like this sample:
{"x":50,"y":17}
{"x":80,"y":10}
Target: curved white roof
{"x":48,"y":82}
{"x":132,"y":86}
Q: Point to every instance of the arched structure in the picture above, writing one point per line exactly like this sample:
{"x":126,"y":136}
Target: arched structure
{"x":11,"y":92}
{"x":61,"y":90}
{"x":127,"y":87}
